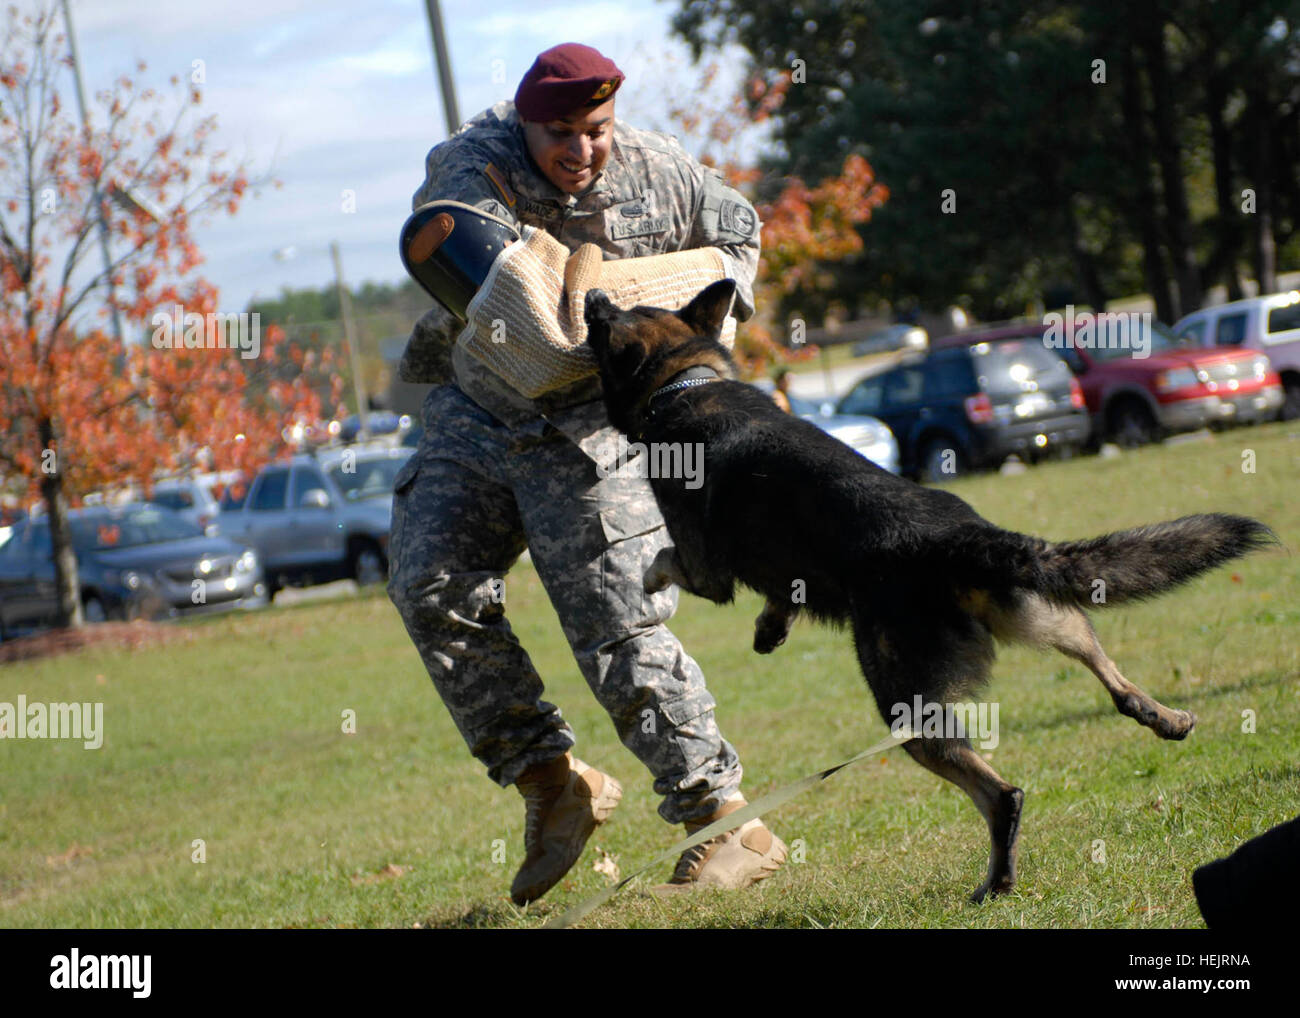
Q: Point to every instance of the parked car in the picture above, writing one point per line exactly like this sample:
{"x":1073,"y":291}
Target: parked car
{"x":1269,"y":325}
{"x":320,"y":517}
{"x":897,"y":337}
{"x":1174,"y":387}
{"x":194,"y":498}
{"x":866,"y":435}
{"x":379,"y":423}
{"x":134,"y":561}
{"x":965,"y":406}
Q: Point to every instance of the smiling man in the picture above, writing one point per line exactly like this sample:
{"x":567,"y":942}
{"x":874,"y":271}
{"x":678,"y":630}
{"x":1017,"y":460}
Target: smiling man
{"x":571,"y":150}
{"x":498,"y":472}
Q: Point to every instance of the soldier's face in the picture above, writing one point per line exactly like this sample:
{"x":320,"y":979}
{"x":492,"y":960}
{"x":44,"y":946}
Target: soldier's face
{"x":573,"y":150}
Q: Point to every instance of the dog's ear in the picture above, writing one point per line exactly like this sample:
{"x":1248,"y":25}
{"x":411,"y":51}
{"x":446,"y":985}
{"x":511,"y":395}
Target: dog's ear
{"x":709,"y":308}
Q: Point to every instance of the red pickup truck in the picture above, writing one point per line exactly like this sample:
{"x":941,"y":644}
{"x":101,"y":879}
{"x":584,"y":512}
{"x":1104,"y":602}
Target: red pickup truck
{"x":1142,"y":386}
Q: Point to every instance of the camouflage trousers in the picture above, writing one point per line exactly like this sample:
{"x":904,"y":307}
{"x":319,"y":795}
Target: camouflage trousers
{"x":466,"y":505}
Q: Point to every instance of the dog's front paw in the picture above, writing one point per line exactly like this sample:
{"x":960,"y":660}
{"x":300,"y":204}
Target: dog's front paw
{"x":773,"y":625}
{"x":656,"y":580}
{"x":664,"y":571}
{"x":768,"y":635}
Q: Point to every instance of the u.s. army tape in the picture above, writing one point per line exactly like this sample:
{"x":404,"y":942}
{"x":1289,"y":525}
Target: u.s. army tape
{"x":731,"y":821}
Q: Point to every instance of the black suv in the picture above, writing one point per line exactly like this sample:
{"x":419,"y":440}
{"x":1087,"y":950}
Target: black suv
{"x":965,"y":407}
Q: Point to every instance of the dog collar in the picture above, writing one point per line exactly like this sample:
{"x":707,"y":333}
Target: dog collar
{"x":688,"y":379}
{"x":683,"y":380}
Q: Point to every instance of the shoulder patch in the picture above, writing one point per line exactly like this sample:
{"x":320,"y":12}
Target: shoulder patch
{"x":498,"y":180}
{"x":736,"y":218}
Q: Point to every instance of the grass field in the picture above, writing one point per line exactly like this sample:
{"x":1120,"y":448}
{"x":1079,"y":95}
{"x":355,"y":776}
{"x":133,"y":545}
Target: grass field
{"x":234,"y":738}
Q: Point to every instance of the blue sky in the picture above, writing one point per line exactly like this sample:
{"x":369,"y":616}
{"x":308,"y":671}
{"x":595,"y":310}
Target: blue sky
{"x":332,"y":96}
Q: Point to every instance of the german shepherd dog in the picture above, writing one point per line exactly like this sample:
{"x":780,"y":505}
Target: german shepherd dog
{"x":926,"y":584}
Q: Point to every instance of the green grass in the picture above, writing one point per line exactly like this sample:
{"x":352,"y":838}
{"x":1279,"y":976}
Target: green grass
{"x":233,"y":736}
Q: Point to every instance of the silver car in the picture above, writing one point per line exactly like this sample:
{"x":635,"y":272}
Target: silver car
{"x":1269,"y":324}
{"x":133,"y":561}
{"x":194,"y":497}
{"x":320,"y":517}
{"x":869,"y":436}
{"x":865,"y":435}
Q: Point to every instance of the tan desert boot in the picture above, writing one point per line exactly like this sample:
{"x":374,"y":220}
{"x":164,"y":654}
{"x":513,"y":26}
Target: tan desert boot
{"x":730,"y":861}
{"x":566,"y":800}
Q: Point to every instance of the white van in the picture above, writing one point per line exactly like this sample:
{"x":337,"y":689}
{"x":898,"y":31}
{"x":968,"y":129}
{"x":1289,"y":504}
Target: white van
{"x":1269,"y":324}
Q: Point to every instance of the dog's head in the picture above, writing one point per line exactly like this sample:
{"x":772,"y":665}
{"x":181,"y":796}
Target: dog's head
{"x":641,"y":349}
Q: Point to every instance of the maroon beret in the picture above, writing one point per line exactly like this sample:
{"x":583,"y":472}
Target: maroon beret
{"x":564,"y":79}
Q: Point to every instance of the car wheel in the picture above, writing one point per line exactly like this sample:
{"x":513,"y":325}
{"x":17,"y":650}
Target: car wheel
{"x":942,"y":460}
{"x":1131,"y":425}
{"x":366,"y":564}
{"x":92,"y":610}
{"x":1291,"y":401}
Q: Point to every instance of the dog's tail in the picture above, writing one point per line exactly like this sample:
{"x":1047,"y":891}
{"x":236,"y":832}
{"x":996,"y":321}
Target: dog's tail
{"x":1130,"y":565}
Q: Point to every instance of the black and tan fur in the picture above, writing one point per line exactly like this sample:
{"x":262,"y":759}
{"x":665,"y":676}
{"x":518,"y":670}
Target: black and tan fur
{"x":926,"y":584}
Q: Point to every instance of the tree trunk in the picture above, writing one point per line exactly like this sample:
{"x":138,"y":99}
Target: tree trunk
{"x":66,"y":582}
{"x":1178,"y":225}
{"x":1285,"y":179}
{"x":1084,"y":263}
{"x":1223,"y":260}
{"x":1143,"y":210}
{"x":1265,"y":252}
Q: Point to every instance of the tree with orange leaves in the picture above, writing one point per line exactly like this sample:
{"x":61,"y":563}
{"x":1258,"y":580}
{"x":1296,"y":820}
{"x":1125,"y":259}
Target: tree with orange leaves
{"x":804,"y":227}
{"x":78,"y":410}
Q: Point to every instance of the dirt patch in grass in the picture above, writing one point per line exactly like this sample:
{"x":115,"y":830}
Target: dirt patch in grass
{"x":127,"y":635}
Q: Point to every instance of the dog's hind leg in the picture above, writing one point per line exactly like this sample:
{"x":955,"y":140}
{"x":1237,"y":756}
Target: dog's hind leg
{"x":773,"y":625}
{"x":998,"y":801}
{"x":941,"y":660}
{"x":1037,"y":621}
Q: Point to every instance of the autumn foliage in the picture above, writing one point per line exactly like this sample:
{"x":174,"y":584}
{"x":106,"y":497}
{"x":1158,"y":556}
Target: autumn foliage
{"x":80,"y":409}
{"x":118,"y":417}
{"x":804,"y":227}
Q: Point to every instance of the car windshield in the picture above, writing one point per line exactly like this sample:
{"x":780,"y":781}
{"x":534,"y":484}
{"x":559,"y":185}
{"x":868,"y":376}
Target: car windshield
{"x":127,"y":529}
{"x":370,"y":478}
{"x":1006,"y":366}
{"x":174,"y":498}
{"x":1157,"y":334}
{"x":234,"y":495}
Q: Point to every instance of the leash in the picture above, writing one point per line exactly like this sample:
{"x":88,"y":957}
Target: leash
{"x":728,"y":823}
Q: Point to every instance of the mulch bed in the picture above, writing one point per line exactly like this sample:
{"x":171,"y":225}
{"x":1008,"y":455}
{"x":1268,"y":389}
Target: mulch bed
{"x":112,"y":635}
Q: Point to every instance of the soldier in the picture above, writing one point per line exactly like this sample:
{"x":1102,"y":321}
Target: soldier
{"x":497,"y":473}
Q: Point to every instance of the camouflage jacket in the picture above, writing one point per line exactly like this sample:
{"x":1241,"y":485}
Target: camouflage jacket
{"x":651,"y":197}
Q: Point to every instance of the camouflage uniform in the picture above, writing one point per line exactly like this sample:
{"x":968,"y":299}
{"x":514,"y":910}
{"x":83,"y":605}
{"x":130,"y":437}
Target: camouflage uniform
{"x":496,"y":472}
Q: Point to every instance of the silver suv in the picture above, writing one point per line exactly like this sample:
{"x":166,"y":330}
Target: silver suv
{"x":318,"y":518}
{"x":1269,"y":324}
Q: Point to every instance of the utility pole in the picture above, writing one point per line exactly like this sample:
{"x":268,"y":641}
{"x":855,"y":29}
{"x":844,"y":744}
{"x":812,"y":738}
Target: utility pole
{"x":99,"y":198}
{"x":442,"y":61}
{"x":349,"y":335}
